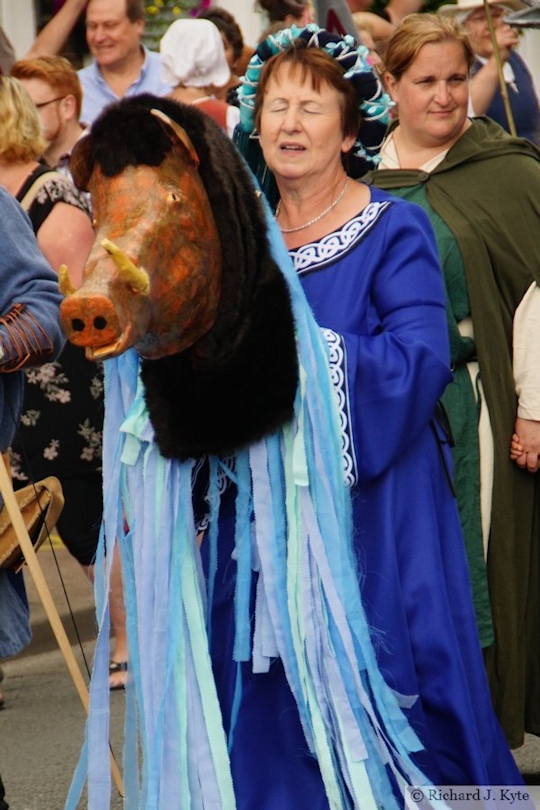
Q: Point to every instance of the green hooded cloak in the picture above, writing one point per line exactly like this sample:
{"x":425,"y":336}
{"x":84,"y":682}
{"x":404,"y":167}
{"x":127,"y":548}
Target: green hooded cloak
{"x":486,"y":193}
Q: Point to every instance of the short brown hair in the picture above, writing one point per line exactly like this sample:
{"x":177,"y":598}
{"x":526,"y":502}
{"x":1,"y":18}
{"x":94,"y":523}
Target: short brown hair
{"x":56,"y":71}
{"x":20,"y":126}
{"x":417,"y":30}
{"x":319,"y":68}
{"x":135,"y":10}
{"x":228,"y":27}
{"x":279,"y":9}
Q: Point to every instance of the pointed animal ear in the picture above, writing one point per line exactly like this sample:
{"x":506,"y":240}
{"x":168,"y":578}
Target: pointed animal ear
{"x":81,"y":165}
{"x":177,"y":134}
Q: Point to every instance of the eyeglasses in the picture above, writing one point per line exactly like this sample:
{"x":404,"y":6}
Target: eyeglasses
{"x":51,"y":101}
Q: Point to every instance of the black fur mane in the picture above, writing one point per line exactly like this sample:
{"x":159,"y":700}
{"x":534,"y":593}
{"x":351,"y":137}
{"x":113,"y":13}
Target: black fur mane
{"x":238,"y":382}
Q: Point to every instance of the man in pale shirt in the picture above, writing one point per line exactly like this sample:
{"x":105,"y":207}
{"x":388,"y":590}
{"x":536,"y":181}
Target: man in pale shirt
{"x":122,"y":65}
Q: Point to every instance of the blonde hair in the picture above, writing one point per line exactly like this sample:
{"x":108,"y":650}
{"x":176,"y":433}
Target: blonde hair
{"x":56,"y":71}
{"x":417,"y":30}
{"x":20,"y":125}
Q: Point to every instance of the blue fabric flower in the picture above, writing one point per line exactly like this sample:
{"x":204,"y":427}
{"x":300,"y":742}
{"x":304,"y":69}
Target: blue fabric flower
{"x":374,"y":103}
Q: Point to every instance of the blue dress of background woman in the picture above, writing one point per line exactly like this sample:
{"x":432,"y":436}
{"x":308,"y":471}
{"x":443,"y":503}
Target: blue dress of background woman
{"x":375,"y":287}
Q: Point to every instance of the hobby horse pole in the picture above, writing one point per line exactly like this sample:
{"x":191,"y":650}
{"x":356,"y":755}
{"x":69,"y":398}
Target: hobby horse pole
{"x":6,"y":489}
{"x":498,"y":60}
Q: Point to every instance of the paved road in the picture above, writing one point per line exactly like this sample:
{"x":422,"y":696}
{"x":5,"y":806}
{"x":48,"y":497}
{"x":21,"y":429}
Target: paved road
{"x":42,"y":728}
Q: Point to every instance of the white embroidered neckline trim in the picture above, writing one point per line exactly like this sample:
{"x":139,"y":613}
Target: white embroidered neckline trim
{"x":316,"y":254}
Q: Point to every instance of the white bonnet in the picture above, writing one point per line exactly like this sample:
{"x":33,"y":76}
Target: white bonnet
{"x":192,"y":54}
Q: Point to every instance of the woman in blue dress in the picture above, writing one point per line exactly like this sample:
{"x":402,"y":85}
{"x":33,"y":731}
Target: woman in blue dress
{"x":368,"y":266}
{"x":256,"y":680}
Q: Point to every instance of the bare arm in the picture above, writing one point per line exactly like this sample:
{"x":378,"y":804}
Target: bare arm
{"x":525,"y":444}
{"x":53,"y":35}
{"x":484,"y":83}
{"x":398,"y":9}
{"x":380,"y":29}
{"x":66,"y":237}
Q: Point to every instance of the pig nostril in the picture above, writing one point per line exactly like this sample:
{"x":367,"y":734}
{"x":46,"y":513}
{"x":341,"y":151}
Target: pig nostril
{"x":77,"y":324}
{"x":100,"y":323}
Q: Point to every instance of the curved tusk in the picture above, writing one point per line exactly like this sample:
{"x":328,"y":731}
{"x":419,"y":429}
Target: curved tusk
{"x":64,"y":282}
{"x":137,"y":278}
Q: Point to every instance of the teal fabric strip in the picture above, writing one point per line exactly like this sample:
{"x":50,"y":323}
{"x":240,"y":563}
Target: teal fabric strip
{"x":207,"y":687}
{"x":211,"y":536}
{"x":79,"y":779}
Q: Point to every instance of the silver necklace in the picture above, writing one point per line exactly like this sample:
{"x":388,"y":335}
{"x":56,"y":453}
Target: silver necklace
{"x":316,"y":219}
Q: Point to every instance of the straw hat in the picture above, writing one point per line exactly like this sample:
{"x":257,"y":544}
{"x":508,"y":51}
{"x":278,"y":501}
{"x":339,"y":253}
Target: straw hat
{"x":465,"y":7}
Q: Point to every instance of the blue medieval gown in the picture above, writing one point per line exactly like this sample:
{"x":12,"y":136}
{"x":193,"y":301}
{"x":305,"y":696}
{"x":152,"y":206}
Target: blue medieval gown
{"x":217,"y":730}
{"x":375,"y":288}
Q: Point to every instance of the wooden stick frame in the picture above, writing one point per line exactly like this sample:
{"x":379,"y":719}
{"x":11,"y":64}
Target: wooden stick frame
{"x":498,"y":60}
{"x":34,"y":567}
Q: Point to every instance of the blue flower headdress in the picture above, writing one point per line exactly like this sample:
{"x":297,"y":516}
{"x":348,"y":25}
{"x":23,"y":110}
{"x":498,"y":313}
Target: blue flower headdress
{"x":373,"y":103}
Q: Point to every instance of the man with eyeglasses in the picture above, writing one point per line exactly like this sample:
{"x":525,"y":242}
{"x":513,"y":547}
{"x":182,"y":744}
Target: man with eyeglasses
{"x":53,"y":85}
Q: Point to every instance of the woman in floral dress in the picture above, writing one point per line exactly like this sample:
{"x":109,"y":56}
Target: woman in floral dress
{"x":60,"y":429}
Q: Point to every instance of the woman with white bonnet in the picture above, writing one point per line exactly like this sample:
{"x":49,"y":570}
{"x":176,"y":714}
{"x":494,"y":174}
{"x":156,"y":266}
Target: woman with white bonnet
{"x":194,"y":64}
{"x":485,"y":93}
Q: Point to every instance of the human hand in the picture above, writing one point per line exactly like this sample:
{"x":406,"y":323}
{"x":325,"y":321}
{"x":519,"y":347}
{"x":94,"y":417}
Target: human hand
{"x":525,"y":444}
{"x":507,"y":38}
{"x":516,"y":448}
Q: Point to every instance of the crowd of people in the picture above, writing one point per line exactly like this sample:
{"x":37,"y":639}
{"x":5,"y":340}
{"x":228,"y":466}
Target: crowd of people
{"x":402,"y":179}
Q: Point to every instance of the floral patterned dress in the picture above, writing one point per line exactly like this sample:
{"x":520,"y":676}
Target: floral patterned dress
{"x":60,"y":432}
